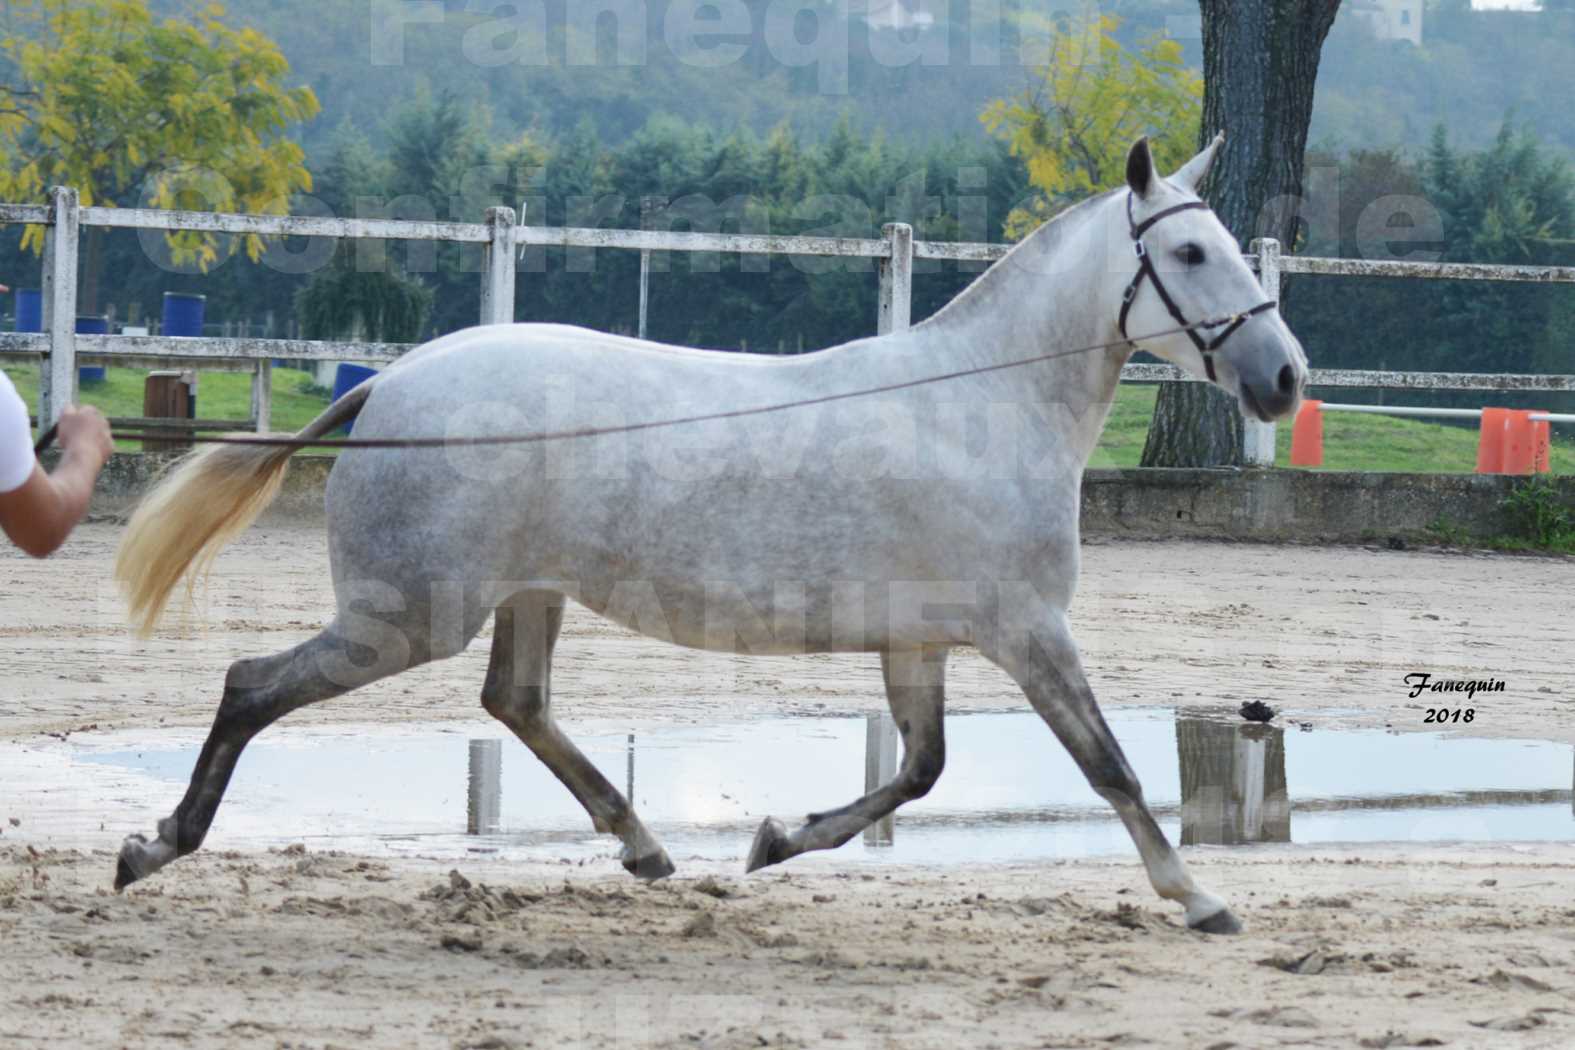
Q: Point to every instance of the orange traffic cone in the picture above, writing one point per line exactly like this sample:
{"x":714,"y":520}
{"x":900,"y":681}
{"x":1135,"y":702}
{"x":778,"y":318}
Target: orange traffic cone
{"x":1541,"y":446}
{"x":1490,"y":445}
{"x":1307,"y":435}
{"x":1520,"y":445}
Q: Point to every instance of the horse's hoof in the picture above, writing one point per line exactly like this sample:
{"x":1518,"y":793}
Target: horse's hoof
{"x":124,"y":876}
{"x":650,"y":867}
{"x":125,"y":872}
{"x":1221,"y":922}
{"x":770,"y":845}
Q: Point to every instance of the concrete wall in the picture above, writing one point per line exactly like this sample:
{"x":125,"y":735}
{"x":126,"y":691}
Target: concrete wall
{"x":1271,"y":505}
{"x":1297,"y":505}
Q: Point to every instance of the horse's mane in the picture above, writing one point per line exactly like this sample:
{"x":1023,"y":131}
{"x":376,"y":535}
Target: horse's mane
{"x":1046,"y":239}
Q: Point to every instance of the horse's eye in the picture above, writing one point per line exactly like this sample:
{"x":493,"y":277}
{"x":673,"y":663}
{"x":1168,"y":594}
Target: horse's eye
{"x":1190,"y":254}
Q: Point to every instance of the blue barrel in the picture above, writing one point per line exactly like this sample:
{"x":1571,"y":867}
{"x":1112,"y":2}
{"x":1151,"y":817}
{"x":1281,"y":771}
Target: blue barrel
{"x":92,"y":326}
{"x":183,"y":313}
{"x":29,"y":310}
{"x":347,"y":378}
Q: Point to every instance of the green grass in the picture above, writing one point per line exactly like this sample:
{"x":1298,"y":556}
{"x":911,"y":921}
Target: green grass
{"x":1351,"y":441}
{"x":220,"y":395}
{"x":1452,"y":535}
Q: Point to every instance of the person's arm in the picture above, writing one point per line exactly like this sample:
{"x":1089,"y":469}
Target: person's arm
{"x":40,"y":513}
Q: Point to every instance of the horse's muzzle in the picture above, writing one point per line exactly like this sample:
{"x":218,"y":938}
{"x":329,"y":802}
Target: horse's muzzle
{"x":1271,"y":382}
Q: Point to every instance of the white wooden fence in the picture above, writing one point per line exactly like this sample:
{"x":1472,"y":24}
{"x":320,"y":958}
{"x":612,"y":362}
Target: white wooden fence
{"x":59,"y":350}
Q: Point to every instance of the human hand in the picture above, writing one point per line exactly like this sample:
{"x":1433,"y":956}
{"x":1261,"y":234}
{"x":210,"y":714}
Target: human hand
{"x":84,"y":431}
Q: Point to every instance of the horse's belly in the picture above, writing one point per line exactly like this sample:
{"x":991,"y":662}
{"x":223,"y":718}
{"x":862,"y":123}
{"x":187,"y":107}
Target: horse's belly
{"x":793,"y":617}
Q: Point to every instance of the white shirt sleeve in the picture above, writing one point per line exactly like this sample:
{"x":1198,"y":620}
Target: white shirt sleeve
{"x":16,"y":438}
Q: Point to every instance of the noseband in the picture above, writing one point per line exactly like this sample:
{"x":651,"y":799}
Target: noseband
{"x":1146,"y":269}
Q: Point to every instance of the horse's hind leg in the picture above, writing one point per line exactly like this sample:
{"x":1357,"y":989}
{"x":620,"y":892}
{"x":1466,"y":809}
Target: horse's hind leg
{"x":518,"y":694}
{"x":1044,"y":662}
{"x":915,"y":690}
{"x":257,"y":693}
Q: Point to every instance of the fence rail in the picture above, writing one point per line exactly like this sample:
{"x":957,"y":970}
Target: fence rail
{"x":283,"y":225}
{"x":59,"y":349}
{"x":1312,"y":264}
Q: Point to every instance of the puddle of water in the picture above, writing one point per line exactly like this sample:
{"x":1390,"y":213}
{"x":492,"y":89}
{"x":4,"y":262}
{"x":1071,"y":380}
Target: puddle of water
{"x":1009,"y":794}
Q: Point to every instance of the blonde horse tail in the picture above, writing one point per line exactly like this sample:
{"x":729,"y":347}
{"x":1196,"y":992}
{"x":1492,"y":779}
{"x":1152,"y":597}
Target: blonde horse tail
{"x":205,"y":500}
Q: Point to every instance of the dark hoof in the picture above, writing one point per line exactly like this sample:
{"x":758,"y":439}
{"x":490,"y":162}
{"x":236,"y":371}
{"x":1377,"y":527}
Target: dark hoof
{"x":1221,"y":922}
{"x":125,"y":874}
{"x":770,"y":845}
{"x":650,"y":867}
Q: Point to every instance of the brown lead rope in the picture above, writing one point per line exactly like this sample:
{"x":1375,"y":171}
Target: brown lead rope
{"x":153,"y":429}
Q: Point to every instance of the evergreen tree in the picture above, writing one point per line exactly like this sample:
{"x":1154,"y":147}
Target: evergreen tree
{"x":350,"y":299}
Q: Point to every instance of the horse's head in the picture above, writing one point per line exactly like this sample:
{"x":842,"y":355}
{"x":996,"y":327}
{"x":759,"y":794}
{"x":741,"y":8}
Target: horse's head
{"x":1190,"y":269}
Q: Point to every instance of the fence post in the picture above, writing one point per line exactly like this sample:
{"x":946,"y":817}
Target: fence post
{"x":645,"y":290}
{"x":499,"y":267}
{"x":1259,"y":437}
{"x":896,"y":280}
{"x":57,"y":378}
{"x":262,"y":396}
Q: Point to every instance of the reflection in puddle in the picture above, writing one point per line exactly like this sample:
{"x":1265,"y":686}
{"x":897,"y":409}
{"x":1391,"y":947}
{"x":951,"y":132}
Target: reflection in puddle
{"x":1232,"y":783}
{"x":1009,"y":793}
{"x":485,"y":797}
{"x":882,"y":747}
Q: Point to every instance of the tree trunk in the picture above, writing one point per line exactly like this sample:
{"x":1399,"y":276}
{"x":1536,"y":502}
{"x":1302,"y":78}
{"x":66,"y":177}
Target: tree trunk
{"x":1194,"y":425}
{"x":1260,"y":64}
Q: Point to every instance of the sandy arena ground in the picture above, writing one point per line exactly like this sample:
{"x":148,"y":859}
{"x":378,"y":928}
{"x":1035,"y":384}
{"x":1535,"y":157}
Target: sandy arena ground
{"x":1371,"y":947}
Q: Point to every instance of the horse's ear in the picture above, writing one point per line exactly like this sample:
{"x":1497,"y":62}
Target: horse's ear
{"x":1140,"y":167}
{"x":1191,"y":174}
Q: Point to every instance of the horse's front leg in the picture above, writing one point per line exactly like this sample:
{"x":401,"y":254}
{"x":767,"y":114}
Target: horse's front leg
{"x":915,"y":691}
{"x":1042,"y":657}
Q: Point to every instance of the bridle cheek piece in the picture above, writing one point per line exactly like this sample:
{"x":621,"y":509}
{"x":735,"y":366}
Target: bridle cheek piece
{"x":1146,"y":270}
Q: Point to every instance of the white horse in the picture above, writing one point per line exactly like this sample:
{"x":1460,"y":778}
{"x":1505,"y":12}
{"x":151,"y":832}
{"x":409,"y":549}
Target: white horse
{"x":931,"y":516}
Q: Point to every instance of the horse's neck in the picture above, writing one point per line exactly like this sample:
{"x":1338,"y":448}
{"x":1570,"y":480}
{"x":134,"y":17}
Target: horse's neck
{"x":1051,"y":295}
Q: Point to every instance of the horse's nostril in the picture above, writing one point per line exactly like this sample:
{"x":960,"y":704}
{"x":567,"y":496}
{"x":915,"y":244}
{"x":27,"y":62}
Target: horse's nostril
{"x":1287,"y":380}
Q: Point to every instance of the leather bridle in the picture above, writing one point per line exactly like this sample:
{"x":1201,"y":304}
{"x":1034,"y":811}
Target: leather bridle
{"x":1146,"y":269}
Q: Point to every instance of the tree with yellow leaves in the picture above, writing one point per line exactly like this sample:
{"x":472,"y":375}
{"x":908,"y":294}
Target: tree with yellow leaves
{"x":1091,"y":98}
{"x":135,"y":110}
